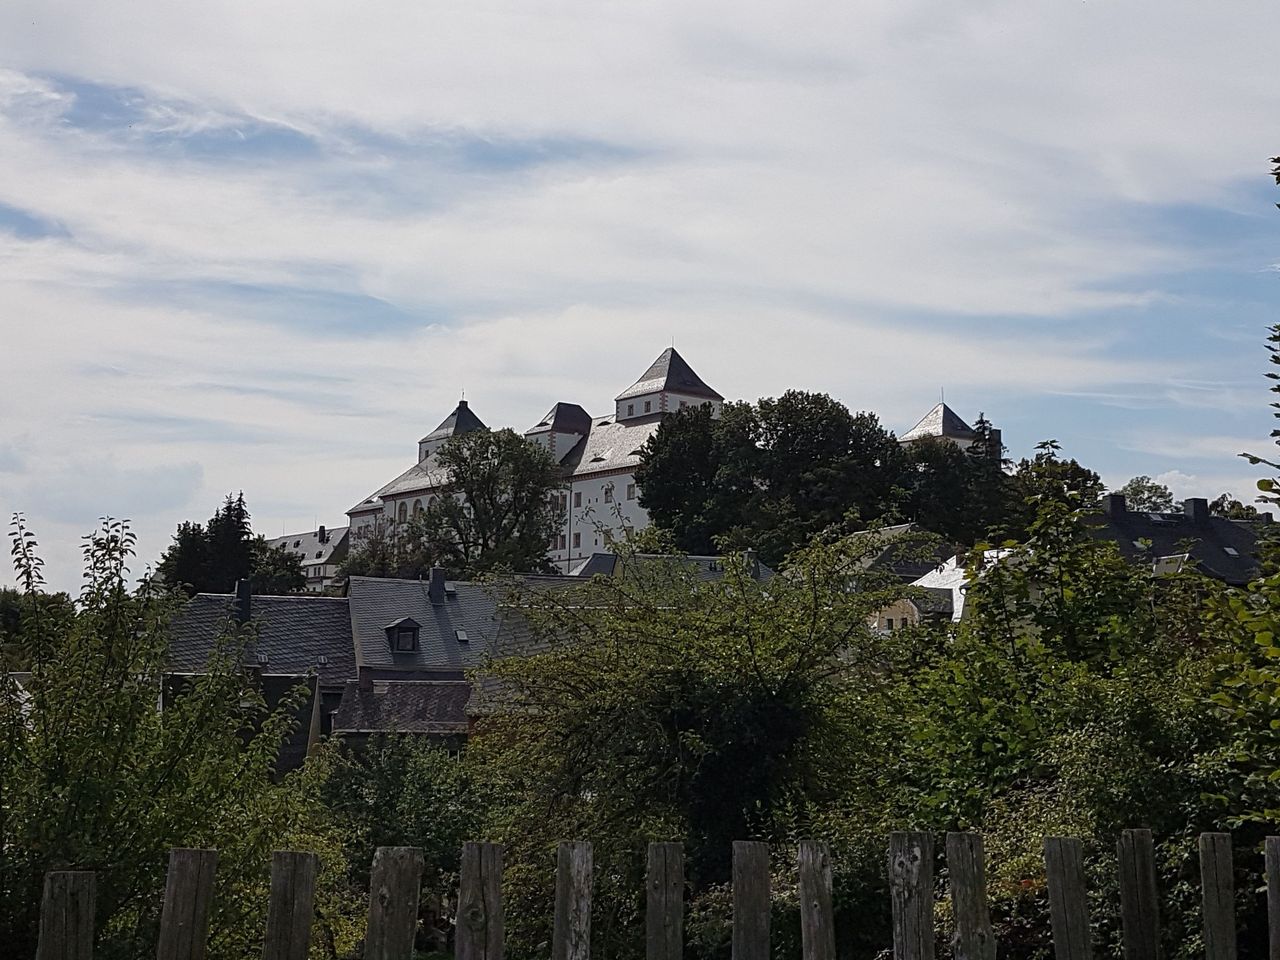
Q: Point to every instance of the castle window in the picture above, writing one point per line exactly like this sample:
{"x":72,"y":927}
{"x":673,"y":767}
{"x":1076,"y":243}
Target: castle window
{"x":577,"y":540}
{"x":417,"y":507}
{"x":631,"y":409}
{"x":402,"y":512}
{"x":608,"y":494}
{"x":648,"y":405}
{"x":631,"y":491}
{"x":577,"y":499}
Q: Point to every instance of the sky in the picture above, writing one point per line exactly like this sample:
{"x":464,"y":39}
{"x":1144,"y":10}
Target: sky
{"x":266,"y":246}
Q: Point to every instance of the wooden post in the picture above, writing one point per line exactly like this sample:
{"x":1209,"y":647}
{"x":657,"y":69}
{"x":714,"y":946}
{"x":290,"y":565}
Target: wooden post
{"x":66,"y":916}
{"x":394,"y":889}
{"x":911,"y":893}
{"x":1068,"y":905}
{"x":966,"y":865}
{"x":291,"y":907}
{"x":1273,"y":896}
{"x":817,"y":924}
{"x":664,"y":910}
{"x":571,"y":936}
{"x":480,"y":930}
{"x":188,"y":895}
{"x":1217,"y":893}
{"x":750,"y":900}
{"x":1139,"y":900}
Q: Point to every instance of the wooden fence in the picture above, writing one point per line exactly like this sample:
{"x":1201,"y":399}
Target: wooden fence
{"x":66,"y":919}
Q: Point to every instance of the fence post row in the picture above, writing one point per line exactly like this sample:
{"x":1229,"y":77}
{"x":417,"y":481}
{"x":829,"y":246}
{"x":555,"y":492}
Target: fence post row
{"x":966,"y":864}
{"x":291,"y":906}
{"x":571,"y":935}
{"x":188,"y":895}
{"x":480,"y":903}
{"x":66,"y":916}
{"x":751,"y":900}
{"x":395,"y":885}
{"x":664,"y":902}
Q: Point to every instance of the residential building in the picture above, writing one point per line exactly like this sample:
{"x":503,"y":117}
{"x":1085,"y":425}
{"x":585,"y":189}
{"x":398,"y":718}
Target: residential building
{"x":320,"y":550}
{"x":598,"y":499}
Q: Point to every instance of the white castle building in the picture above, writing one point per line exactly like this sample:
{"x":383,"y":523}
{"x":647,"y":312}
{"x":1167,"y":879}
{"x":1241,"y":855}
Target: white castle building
{"x":598,"y":500}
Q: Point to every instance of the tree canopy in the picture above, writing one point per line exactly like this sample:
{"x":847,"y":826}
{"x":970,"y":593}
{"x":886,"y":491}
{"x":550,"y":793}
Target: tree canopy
{"x":212,"y":557}
{"x":1146,"y":495}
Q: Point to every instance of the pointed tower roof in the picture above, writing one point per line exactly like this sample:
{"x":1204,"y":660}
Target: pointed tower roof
{"x":941,"y":421}
{"x":461,"y":421}
{"x":671,"y":373}
{"x":563,"y":418}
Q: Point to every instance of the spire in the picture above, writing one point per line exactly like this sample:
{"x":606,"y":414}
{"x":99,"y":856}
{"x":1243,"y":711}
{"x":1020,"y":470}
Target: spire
{"x":670,"y":374}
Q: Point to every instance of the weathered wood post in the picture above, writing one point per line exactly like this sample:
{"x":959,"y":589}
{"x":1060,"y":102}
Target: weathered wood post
{"x":664,"y":906}
{"x":291,"y":906}
{"x":1068,"y":904}
{"x":1273,"y":896}
{"x":480,"y":932}
{"x":751,"y":904}
{"x":1217,"y":894}
{"x":395,"y":886}
{"x":188,"y":895}
{"x":66,"y":916}
{"x":911,"y":894}
{"x":966,"y":865}
{"x":1139,"y":900}
{"x":817,"y":921}
{"x":571,"y":935}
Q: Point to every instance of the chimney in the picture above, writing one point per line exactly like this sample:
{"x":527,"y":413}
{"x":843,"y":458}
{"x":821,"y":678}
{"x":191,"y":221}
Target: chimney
{"x":364,"y":678}
{"x":244,"y":602}
{"x":435,"y":586}
{"x":1113,"y":505}
{"x":320,"y":534}
{"x":1196,"y":509}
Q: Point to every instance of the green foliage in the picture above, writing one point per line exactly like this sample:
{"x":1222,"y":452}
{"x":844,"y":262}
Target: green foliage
{"x":93,"y":775}
{"x":1146,"y":495}
{"x":493,"y":514}
{"x":1226,"y":505}
{"x":768,"y":476}
{"x":210,"y":558}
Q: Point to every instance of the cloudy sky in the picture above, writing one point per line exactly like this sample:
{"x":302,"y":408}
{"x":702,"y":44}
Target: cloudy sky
{"x":265,"y":246}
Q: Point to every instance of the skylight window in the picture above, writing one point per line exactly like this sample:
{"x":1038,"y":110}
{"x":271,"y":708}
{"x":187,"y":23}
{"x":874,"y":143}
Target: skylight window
{"x":1231,"y":551}
{"x":461,"y":635}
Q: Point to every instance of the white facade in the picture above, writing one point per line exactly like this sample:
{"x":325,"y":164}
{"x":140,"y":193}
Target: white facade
{"x":598,"y":502}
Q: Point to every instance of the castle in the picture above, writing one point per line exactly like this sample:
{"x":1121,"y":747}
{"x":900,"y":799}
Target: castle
{"x":598,"y":456}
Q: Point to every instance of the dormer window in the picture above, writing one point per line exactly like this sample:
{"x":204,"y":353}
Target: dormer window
{"x":402,"y":635}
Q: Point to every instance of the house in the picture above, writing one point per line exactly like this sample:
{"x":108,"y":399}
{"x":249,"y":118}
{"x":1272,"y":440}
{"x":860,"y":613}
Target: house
{"x":1191,"y":538}
{"x":937,"y":596}
{"x":294,"y":640}
{"x":320,"y":550}
{"x":943,"y":423}
{"x":598,"y":499}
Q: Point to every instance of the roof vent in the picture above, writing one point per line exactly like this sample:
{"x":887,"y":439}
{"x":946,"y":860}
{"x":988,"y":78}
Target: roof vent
{"x":263,"y":659}
{"x":461,"y":636}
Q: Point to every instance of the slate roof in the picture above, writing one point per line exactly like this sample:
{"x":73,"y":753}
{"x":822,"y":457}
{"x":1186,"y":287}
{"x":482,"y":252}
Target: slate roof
{"x":610,"y":445}
{"x":671,"y":373}
{"x":1224,"y":549}
{"x":461,"y":421}
{"x":908,"y":551}
{"x":311,"y":549}
{"x":404,"y":706}
{"x":702,"y":568}
{"x":469,"y":607}
{"x":294,"y":633}
{"x":952,"y":578}
{"x":421,"y":477}
{"x":941,"y":421}
{"x":562,"y":418}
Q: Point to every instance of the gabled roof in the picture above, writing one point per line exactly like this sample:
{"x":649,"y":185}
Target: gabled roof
{"x":295,"y":634}
{"x":1226,"y":550}
{"x":700,"y":568}
{"x":469,"y":607}
{"x":404,"y":706}
{"x":420,"y":478}
{"x":311,"y":548}
{"x":563,"y":418}
{"x":611,"y":445}
{"x":941,"y":421}
{"x":669,"y":373}
{"x":461,"y":421}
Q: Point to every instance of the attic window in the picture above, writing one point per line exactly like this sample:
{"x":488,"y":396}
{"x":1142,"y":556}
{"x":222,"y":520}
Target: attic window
{"x":297,"y":543}
{"x":402,"y":635}
{"x":263,"y":659}
{"x":603,"y":423}
{"x":1231,"y":551}
{"x":319,"y":554}
{"x":461,"y":636}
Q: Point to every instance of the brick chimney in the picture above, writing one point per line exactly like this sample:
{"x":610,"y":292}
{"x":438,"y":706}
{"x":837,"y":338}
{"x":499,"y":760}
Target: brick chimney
{"x":1113,"y":505}
{"x":435,"y":586}
{"x":320,"y":534}
{"x":244,"y":602}
{"x":1196,"y":509}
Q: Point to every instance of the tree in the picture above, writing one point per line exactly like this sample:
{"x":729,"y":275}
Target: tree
{"x":1146,"y":495}
{"x":768,"y":476}
{"x":94,"y":776}
{"x":1226,"y":505}
{"x":1047,"y":478}
{"x":211,"y":558}
{"x":493,"y":514}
